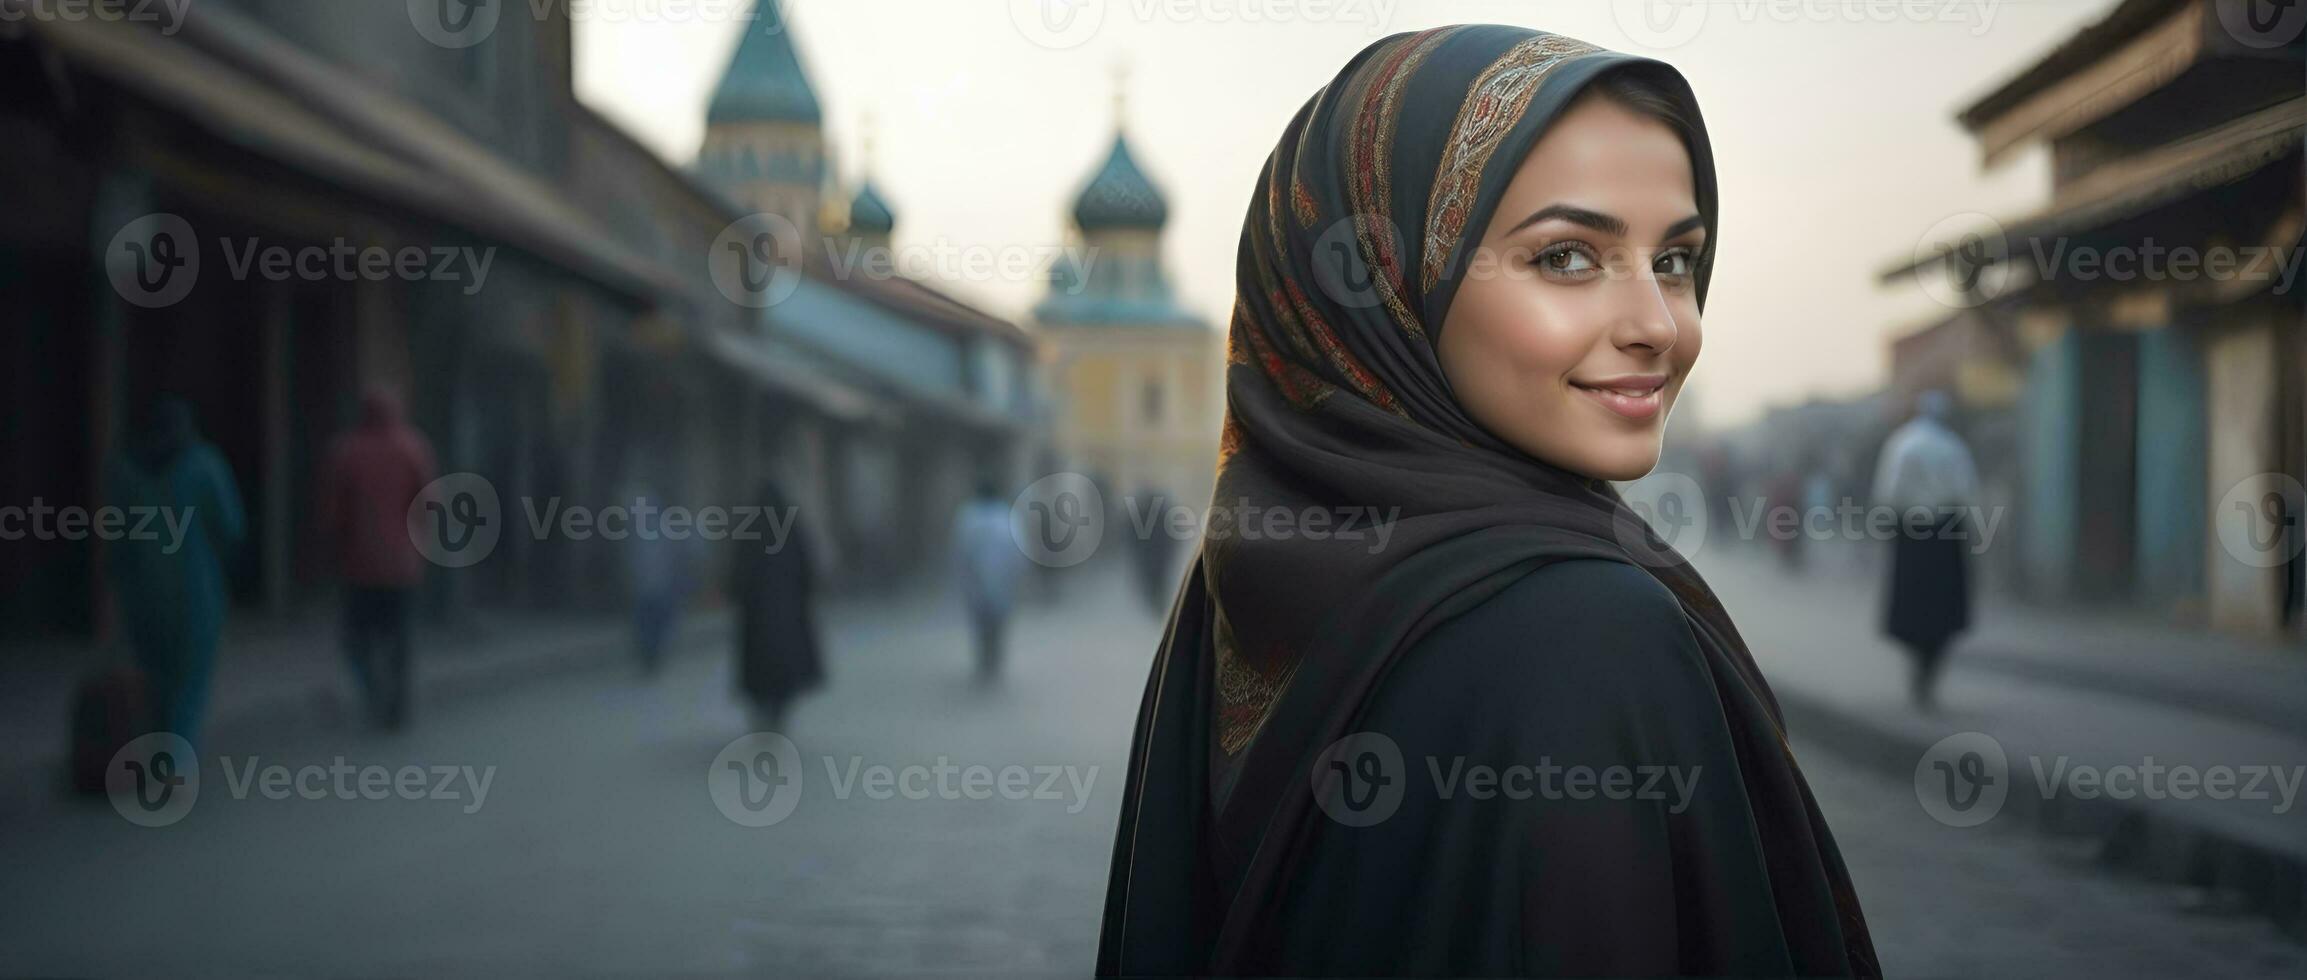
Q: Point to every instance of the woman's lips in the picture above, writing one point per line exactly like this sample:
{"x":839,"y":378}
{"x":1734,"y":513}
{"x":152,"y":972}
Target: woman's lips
{"x":1637,"y":400}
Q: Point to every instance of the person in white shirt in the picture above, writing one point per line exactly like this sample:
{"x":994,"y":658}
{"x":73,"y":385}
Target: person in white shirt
{"x":987,"y":565}
{"x":1926,"y":474}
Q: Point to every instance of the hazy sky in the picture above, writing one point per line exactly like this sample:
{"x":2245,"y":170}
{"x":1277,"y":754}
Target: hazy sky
{"x":1832,"y":124}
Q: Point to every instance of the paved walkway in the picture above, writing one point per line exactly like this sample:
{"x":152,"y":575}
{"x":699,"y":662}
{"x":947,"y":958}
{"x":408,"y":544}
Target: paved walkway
{"x":2106,"y":647}
{"x":1844,"y":686}
{"x":272,"y":673}
{"x":599,"y":850}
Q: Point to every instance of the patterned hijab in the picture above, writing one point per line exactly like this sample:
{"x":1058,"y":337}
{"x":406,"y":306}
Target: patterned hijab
{"x":1361,"y":223}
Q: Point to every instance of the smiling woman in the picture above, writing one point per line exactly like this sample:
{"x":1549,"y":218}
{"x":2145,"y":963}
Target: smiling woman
{"x":1582,"y":295}
{"x":1469,"y":288}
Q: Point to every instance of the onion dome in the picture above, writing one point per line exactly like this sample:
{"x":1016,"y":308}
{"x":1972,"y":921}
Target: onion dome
{"x":1120,"y":196}
{"x":869,"y":214}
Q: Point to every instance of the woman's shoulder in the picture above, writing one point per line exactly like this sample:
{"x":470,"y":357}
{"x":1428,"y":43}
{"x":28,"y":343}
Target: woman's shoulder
{"x":1579,"y":629}
{"x":1576,"y":598}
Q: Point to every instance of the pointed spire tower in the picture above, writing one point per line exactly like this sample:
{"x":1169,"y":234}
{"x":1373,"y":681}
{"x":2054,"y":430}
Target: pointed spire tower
{"x":764,"y":130}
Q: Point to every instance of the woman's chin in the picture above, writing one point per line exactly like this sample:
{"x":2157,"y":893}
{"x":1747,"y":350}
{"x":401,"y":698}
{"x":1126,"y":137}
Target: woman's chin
{"x":1619,"y":458}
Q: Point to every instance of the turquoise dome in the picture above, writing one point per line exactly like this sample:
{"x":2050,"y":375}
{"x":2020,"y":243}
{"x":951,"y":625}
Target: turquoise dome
{"x":765,"y":81}
{"x":869,"y":213}
{"x":1120,"y":196}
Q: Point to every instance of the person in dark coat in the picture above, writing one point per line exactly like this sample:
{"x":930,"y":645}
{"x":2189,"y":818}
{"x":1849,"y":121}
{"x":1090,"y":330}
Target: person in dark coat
{"x":1510,"y":732}
{"x":1154,"y":553}
{"x":773,"y":586}
{"x":1927,"y":475}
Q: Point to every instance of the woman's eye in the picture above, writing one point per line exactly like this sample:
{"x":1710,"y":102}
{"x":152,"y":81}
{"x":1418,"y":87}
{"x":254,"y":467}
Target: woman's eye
{"x":1674,"y":264}
{"x":1568,"y":261}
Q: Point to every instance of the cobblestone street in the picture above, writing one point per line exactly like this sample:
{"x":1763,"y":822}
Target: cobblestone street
{"x":598,"y":849}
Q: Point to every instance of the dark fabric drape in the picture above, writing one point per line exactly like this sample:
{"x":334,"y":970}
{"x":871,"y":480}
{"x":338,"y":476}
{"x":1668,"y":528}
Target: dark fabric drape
{"x":1360,"y":225}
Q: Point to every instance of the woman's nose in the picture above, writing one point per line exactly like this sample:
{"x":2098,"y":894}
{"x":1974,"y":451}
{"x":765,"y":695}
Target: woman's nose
{"x":1643,"y":316}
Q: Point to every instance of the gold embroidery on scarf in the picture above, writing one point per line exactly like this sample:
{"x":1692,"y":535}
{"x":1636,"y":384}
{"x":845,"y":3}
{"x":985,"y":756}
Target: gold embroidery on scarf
{"x":1247,"y":692}
{"x":1370,"y":168}
{"x":1495,"y":101}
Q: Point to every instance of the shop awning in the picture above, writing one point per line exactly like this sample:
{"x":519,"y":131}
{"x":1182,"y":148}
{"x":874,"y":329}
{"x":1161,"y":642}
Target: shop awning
{"x":2223,"y":154}
{"x":228,"y":76}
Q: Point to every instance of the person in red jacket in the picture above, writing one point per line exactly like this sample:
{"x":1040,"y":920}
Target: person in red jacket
{"x":374,"y":471}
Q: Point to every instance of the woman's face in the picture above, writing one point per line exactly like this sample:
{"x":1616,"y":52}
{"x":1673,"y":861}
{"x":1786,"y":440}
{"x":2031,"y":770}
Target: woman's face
{"x":1576,"y":323}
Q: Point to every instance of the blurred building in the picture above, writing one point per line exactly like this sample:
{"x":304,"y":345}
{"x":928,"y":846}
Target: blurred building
{"x":960,"y":385}
{"x":2137,"y":391}
{"x":1136,"y":376}
{"x":597,"y":357}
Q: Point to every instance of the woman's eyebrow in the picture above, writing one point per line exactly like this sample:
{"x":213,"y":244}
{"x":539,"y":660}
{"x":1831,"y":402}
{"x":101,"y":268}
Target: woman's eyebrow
{"x":1604,"y":223}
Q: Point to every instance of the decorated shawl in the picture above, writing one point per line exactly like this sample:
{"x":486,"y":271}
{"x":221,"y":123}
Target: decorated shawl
{"x":1361,"y":222}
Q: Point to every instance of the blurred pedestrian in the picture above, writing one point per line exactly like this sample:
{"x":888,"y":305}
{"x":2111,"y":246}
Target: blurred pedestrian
{"x":987,"y":562}
{"x":1156,"y":554}
{"x":172,"y":586}
{"x":664,"y":570}
{"x":375,"y":470}
{"x":774,"y":587}
{"x":1927,"y":476}
{"x":1786,"y":497}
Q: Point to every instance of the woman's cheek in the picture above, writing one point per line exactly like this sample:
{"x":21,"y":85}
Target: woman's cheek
{"x":1550,"y":341}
